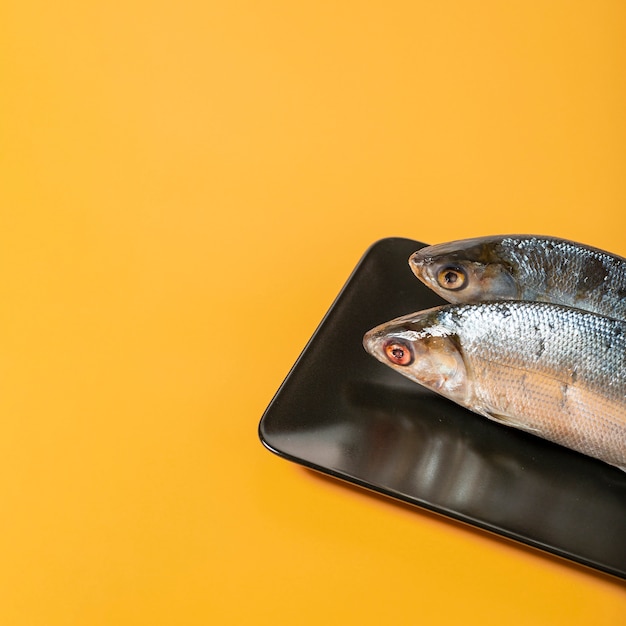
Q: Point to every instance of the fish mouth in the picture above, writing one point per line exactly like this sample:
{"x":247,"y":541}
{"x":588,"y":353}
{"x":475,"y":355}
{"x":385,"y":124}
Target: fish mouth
{"x":418,"y":262}
{"x":372,"y":340}
{"x":421,"y":258}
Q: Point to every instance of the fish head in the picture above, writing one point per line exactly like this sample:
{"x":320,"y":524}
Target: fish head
{"x":466,"y":271}
{"x":423,"y":348}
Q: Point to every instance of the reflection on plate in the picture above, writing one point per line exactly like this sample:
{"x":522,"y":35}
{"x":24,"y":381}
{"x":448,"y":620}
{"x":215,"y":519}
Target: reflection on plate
{"x":343,"y":413}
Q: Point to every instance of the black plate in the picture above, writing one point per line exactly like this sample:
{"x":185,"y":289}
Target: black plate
{"x":343,"y":413}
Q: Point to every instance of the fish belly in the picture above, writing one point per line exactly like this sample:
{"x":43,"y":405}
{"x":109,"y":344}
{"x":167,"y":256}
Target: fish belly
{"x":566,"y":413}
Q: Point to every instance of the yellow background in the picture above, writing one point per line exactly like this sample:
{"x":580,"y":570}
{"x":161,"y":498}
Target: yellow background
{"x":184,"y":188}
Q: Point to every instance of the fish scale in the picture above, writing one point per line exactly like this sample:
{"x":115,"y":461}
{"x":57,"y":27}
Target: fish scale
{"x":549,"y":338}
{"x":552,"y":370}
{"x":574,"y":270}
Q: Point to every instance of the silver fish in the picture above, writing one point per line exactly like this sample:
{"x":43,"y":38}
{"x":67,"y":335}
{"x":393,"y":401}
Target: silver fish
{"x":554,"y":371}
{"x":525,"y":267}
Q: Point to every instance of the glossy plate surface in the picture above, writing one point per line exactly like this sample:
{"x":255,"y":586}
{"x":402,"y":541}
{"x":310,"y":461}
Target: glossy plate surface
{"x":343,"y":413}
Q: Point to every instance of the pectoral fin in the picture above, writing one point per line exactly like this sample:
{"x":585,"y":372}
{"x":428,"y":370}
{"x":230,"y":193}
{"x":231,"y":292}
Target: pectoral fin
{"x":508,"y":420}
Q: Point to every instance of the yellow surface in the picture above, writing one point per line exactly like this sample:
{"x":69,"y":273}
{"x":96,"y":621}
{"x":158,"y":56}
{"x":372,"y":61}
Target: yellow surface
{"x":185,"y":186}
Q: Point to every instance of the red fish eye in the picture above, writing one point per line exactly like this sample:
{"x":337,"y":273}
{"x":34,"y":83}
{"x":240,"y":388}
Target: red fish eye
{"x":452,"y":277}
{"x":398,"y":353}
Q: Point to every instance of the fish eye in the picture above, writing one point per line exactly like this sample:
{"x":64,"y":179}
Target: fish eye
{"x":452,"y":277}
{"x":398,"y":353}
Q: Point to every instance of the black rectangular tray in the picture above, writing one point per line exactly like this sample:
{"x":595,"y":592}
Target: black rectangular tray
{"x":341,"y":412}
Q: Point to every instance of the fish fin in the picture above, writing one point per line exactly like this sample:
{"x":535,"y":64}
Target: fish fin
{"x":508,"y":420}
